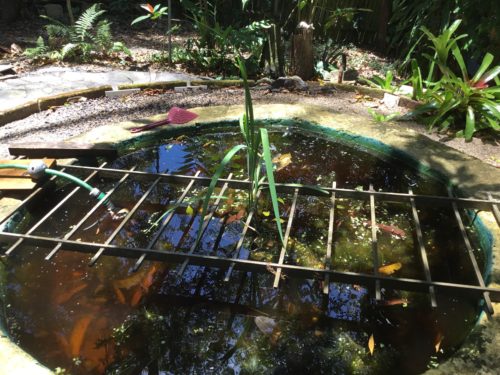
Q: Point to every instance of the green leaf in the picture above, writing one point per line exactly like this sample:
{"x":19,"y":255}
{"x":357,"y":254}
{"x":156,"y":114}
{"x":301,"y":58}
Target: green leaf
{"x":266,"y":150}
{"x":189,"y":210}
{"x":487,"y":60}
{"x":213,"y":183}
{"x":493,"y":73}
{"x":140,"y":19}
{"x":460,"y":60}
{"x":470,"y":124}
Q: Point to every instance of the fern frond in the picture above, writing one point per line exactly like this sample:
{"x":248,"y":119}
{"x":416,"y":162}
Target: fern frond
{"x":103,"y":37}
{"x":58,"y":35}
{"x":85,"y":22}
{"x":69,"y":50}
{"x":38,"y":51}
{"x":120,"y":47}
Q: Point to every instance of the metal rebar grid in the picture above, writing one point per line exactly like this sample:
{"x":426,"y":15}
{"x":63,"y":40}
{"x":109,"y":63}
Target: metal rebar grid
{"x":495,"y":209}
{"x":382,"y":196}
{"x":28,"y":199}
{"x":124,"y":222}
{"x":99,"y":204}
{"x":51,"y":212}
{"x":374,"y":227}
{"x":421,"y":247}
{"x":329,"y":243}
{"x":278,"y":275}
{"x":239,"y":245}
{"x":205,"y":223}
{"x":470,"y":252}
{"x":247,"y":265}
{"x":165,"y":223}
{"x":374,"y":281}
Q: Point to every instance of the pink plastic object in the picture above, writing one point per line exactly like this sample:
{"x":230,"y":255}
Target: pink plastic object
{"x":176,"y":116}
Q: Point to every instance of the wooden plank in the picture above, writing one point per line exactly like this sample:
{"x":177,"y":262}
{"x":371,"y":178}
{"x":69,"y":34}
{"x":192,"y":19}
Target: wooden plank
{"x":61,"y":150}
{"x":16,"y":179}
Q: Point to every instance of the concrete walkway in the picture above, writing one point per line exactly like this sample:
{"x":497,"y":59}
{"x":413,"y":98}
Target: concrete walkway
{"x":55,"y":80}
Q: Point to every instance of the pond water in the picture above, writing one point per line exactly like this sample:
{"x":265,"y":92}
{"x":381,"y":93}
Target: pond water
{"x":107,"y":319}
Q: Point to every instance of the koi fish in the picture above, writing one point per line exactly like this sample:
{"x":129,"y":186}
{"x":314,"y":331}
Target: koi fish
{"x":131,"y":281}
{"x":120,"y":296}
{"x":66,"y":296}
{"x":391,"y":229}
{"x":78,"y":335}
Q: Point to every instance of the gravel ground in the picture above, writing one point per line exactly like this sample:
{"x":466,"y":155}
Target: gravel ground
{"x":71,"y":120}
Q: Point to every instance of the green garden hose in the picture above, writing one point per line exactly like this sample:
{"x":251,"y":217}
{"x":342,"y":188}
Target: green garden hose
{"x":37,"y":168}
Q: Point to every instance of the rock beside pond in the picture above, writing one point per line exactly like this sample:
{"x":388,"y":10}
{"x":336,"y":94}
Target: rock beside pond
{"x":294,"y":83}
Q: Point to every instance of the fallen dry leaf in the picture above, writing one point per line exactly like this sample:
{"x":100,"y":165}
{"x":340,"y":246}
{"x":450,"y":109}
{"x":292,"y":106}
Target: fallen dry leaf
{"x":371,"y":344}
{"x":390,"y":268}
{"x":266,"y":325}
{"x":437,"y":342}
{"x":282,"y":161}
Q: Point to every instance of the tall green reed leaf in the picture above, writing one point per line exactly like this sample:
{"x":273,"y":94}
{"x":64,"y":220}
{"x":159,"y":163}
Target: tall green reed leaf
{"x":266,"y":150}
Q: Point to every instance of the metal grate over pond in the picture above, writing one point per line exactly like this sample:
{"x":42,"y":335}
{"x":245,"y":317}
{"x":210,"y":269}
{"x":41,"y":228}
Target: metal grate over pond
{"x":386,"y":256}
{"x":375,"y":281}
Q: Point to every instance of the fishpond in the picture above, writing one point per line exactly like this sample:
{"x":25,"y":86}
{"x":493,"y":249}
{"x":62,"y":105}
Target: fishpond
{"x":108,"y":319}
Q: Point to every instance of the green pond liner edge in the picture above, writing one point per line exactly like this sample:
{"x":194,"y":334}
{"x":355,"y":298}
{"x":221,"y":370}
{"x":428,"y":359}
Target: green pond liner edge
{"x":363,"y":143}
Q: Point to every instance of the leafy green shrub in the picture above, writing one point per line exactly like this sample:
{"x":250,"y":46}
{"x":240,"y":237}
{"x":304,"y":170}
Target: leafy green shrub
{"x":381,"y":82}
{"x":87,"y":38}
{"x":455,"y":100}
{"x":480,"y":24}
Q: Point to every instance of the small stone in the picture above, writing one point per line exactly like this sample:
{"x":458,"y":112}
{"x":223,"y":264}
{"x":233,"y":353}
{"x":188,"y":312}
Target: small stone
{"x":391,"y":101}
{"x":54,"y":11}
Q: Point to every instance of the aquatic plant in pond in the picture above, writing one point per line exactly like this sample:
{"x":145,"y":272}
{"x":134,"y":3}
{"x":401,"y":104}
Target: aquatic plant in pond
{"x":258,"y":152}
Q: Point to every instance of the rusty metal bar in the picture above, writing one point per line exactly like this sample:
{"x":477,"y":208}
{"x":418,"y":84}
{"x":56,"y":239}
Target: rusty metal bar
{"x":205,"y":224}
{"x":52,"y":211}
{"x":328,"y":260}
{"x":258,"y":266}
{"x":374,"y":227}
{"x":100,"y":203}
{"x":488,"y":306}
{"x":239,"y":245}
{"x":124,"y":221}
{"x":165,"y":223}
{"x":482,"y":204}
{"x":494,"y":209}
{"x":422,"y":252}
{"x":277,"y":276}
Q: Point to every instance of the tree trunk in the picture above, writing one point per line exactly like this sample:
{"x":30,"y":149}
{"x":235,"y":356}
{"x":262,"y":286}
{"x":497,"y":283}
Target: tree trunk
{"x":302,"y":53}
{"x":383,"y":23}
{"x":70,"y":12}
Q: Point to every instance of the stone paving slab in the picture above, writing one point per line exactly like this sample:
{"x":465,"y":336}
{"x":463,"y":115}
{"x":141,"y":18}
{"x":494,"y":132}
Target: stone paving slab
{"x":52,"y":81}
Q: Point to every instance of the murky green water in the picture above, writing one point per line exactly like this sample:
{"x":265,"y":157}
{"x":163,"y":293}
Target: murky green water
{"x":108,"y":319}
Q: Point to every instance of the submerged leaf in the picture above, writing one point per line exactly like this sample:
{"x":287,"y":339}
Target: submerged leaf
{"x":437,"y":342}
{"x":266,"y":325}
{"x":390,"y":268}
{"x":282,"y":161}
{"x":371,"y":344}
